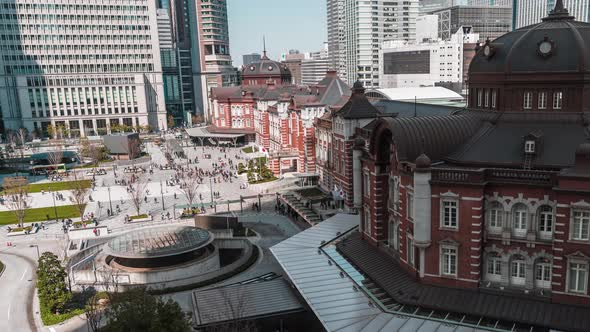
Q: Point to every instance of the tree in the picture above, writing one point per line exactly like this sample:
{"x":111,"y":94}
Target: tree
{"x":189,"y":186}
{"x":56,"y":156}
{"x":197,"y":119}
{"x":138,"y":185}
{"x":95,"y":312}
{"x":51,"y":283}
{"x":232,"y":312}
{"x":79,"y":192}
{"x":170,"y":121}
{"x":136,"y":310}
{"x":16,"y":190}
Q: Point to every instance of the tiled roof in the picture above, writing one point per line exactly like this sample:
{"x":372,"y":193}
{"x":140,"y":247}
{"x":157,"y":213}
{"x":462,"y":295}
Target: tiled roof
{"x":358,"y":107}
{"x":386,"y":273}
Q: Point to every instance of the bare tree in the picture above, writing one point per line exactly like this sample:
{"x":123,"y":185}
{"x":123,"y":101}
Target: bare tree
{"x":16,"y":190}
{"x":137,"y":184}
{"x":189,"y":186}
{"x":55,"y":157}
{"x":233,"y":312}
{"x":22,"y":138}
{"x":95,"y":312}
{"x":79,"y":190}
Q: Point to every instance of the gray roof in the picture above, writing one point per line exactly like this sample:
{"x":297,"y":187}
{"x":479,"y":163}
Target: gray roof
{"x":385,"y":272}
{"x":204,"y":133}
{"x":252,"y":300}
{"x":358,"y":107}
{"x":332,"y":90}
{"x":265,"y":67}
{"x":515,"y":54}
{"x":403,"y":109}
{"x":160,"y":241}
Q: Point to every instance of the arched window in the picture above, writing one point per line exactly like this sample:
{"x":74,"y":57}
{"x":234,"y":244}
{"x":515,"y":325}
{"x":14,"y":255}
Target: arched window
{"x":545,"y":222}
{"x":494,"y":221}
{"x":517,"y":270}
{"x":519,"y":220}
{"x":543,"y":273}
{"x":394,"y":234}
{"x":493,"y":267}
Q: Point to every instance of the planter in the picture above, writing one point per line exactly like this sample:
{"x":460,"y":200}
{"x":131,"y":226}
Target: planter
{"x":23,"y":231}
{"x":134,"y":219}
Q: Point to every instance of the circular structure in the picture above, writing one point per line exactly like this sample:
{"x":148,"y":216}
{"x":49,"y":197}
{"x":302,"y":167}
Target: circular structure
{"x":266,"y":69}
{"x":156,"y":242}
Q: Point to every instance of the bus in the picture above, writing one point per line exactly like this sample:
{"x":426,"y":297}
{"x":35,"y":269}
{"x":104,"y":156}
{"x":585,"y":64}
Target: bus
{"x":49,"y":169}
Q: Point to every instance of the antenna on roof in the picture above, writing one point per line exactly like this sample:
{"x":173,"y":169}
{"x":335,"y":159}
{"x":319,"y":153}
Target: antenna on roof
{"x":264,"y":45}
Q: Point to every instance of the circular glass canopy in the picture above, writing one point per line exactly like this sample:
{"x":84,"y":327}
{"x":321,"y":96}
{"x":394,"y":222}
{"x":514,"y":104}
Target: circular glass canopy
{"x":161,"y":241}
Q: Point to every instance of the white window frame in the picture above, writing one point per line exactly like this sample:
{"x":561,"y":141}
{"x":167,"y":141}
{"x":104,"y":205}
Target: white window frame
{"x":582,"y":232}
{"x":366,"y":184}
{"x":520,"y":215}
{"x":494,"y":268}
{"x":576,"y":267}
{"x":527,"y":103}
{"x":410,"y":251}
{"x":367,"y":221}
{"x":410,"y":205}
{"x":487,"y":98}
{"x":495,"y":219}
{"x":529,"y":146}
{"x":546,"y":221}
{"x":557,"y":100}
{"x":543,"y":275}
{"x":518,"y":272}
{"x":479,"y":97}
{"x":449,"y":260}
{"x":542,"y":100}
{"x":494,"y":96}
{"x":393,"y":234}
{"x":448,"y":223}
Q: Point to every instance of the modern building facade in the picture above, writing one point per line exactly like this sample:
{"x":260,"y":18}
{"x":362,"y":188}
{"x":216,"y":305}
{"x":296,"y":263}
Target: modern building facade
{"x":314,"y":70}
{"x":488,"y":22}
{"x":527,"y":12}
{"x":356,"y":30}
{"x":215,"y":65}
{"x":83,"y":75}
{"x":249,"y":58}
{"x":405,"y":65}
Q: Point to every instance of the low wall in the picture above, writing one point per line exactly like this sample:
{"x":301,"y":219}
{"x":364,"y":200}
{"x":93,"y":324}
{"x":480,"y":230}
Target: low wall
{"x":173,"y":277}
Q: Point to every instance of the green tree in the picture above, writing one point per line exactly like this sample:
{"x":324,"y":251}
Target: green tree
{"x":170,"y":121}
{"x":51,"y":283}
{"x":135,"y":310}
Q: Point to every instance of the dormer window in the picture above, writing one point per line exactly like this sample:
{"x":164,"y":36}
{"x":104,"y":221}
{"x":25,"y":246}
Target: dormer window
{"x":528,"y":100}
{"x":529,"y":146}
{"x":557,"y":100}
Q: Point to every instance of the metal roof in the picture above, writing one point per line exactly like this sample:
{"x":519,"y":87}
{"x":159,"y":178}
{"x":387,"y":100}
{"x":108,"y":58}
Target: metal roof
{"x":334,"y":292}
{"x":420,"y":93}
{"x":160,"y":241}
{"x":241,"y":301}
{"x":203,"y":132}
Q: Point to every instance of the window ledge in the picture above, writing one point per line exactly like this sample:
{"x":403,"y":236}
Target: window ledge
{"x":449,"y":229}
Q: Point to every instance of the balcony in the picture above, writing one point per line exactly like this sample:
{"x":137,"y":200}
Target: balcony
{"x":474,"y":176}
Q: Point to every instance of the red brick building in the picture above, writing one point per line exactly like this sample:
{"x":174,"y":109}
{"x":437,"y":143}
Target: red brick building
{"x":280,"y":115}
{"x":489,"y":207}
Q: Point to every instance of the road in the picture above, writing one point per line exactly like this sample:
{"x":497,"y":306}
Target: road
{"x":17,"y":285}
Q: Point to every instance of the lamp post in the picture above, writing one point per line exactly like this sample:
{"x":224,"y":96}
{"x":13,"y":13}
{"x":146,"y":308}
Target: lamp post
{"x":211,"y":188}
{"x":36,"y":246}
{"x":54,"y":206}
{"x":110,"y":203}
{"x":162,"y":195}
{"x":174,"y":211}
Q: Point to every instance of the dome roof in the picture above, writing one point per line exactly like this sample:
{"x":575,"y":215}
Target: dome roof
{"x":159,"y":241}
{"x":265,"y":67}
{"x":423,"y":161}
{"x":558,"y":44}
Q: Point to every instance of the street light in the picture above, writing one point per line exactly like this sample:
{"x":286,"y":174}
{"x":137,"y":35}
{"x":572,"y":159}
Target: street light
{"x":110,"y":203}
{"x":36,"y":246}
{"x":54,"y":206}
{"x":162,"y":195}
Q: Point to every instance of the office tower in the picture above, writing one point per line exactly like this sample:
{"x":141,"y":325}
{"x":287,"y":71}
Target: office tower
{"x":489,"y":3}
{"x":527,"y":12}
{"x":336,"y":37}
{"x":84,"y":75}
{"x":215,"y":65}
{"x":249,"y":58}
{"x":315,"y":68}
{"x":488,"y":22}
{"x":426,"y":28}
{"x":356,"y":30}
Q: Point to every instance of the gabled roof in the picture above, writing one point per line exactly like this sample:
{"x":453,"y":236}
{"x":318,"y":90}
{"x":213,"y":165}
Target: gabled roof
{"x":358,"y":106}
{"x":332,"y":89}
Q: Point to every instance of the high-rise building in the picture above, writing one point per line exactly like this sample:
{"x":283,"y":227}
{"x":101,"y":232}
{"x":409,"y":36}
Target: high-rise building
{"x":215,"y":68}
{"x":410,"y":65}
{"x":84,"y":75}
{"x":357,"y":29}
{"x":249,"y":58}
{"x":315,"y":68}
{"x":488,"y":22}
{"x":527,"y":12}
{"x":426,"y":28}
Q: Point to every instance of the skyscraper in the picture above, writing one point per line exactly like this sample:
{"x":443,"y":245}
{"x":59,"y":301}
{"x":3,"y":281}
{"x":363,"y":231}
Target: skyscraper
{"x":527,"y":12}
{"x":356,"y":30}
{"x":249,"y":58}
{"x":215,"y":68}
{"x":488,"y":22}
{"x":82,"y":66}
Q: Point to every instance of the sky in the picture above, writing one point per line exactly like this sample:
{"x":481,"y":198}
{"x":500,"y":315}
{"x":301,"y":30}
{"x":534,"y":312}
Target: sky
{"x":287,"y":24}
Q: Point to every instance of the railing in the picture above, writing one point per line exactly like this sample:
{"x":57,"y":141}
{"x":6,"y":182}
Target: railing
{"x":457,"y":175}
